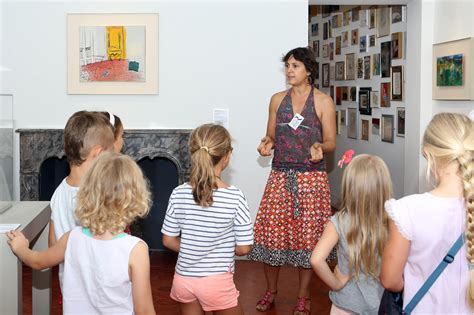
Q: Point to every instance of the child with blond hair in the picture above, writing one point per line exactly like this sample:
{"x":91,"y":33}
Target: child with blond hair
{"x":423,"y":227}
{"x":207,"y":222}
{"x":105,"y":269}
{"x":360,"y":229}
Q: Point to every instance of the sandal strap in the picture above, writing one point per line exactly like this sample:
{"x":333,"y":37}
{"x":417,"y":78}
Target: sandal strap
{"x":301,"y":304}
{"x":265,"y":300}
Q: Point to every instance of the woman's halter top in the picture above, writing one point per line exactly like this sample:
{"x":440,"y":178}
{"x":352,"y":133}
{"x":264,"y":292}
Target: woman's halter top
{"x":293,"y":147}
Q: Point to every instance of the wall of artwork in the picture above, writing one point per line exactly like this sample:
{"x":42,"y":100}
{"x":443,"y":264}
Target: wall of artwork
{"x":361,"y":54}
{"x":209,"y":57}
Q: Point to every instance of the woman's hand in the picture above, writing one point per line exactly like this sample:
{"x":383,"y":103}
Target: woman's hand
{"x":316,"y":152}
{"x":265,"y":146}
{"x":343,"y":279}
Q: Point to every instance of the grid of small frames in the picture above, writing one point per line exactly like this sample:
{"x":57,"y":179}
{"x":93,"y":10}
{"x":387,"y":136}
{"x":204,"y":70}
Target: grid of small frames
{"x":361,"y":53}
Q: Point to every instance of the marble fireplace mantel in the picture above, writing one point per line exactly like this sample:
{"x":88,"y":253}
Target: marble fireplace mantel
{"x":38,"y":145}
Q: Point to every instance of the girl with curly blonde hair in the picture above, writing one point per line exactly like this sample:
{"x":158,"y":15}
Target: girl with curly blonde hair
{"x":105,"y":269}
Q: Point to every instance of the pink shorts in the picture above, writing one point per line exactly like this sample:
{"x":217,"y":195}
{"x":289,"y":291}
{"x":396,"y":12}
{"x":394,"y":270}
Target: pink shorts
{"x":214,"y":293}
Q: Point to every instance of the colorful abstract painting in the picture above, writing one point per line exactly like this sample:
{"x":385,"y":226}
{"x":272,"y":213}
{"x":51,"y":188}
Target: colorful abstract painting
{"x":449,"y":70}
{"x":112,"y":53}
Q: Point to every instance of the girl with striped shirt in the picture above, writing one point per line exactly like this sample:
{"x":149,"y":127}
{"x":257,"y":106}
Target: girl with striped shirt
{"x":208,"y":223}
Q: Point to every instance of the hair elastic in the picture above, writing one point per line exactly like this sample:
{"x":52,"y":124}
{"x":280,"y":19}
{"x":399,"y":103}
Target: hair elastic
{"x":112,"y":119}
{"x":205,"y":148}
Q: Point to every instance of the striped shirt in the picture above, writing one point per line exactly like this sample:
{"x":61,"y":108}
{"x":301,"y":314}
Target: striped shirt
{"x":208,"y":235}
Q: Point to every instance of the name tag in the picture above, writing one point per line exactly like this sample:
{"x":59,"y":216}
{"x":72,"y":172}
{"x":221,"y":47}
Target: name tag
{"x":296,"y":121}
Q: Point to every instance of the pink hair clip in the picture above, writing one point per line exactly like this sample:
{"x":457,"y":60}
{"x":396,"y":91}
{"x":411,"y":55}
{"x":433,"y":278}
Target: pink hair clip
{"x":346,"y":158}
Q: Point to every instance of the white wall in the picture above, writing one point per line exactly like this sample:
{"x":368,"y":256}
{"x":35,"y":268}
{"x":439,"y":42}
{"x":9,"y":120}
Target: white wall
{"x":212,"y":55}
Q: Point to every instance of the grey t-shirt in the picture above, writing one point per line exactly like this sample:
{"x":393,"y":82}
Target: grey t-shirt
{"x":360,"y":295}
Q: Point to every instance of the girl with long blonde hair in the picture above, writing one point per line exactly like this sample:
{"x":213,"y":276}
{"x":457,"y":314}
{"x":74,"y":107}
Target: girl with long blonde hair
{"x":105,"y":269}
{"x":423,"y":227}
{"x":360,"y":229}
{"x":207,"y":222}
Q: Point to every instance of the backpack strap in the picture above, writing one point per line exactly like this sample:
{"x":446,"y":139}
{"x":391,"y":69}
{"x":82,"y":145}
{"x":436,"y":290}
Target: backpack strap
{"x":449,"y":258}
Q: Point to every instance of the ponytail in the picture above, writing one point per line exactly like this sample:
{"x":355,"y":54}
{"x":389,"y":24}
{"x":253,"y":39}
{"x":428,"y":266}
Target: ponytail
{"x":208,"y":144}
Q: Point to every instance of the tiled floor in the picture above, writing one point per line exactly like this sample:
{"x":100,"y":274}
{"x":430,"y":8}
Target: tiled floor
{"x":249,"y":279}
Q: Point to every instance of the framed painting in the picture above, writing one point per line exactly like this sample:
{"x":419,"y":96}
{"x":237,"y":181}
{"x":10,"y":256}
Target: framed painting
{"x":376,"y":126}
{"x":364,"y":129}
{"x":374,"y":99}
{"x":397,"y":45}
{"x":325,"y":50}
{"x":401,"y":121}
{"x":453,"y":70}
{"x":325,"y":71}
{"x":338,"y":122}
{"x":355,"y":37}
{"x":315,"y":29}
{"x":363,"y":43}
{"x":385,"y":59}
{"x":350,"y":66}
{"x":360,"y":68}
{"x":352,"y":129}
{"x":338,"y":45}
{"x":338,"y":95}
{"x":376,"y":64}
{"x":367,"y":68}
{"x":364,"y":21}
{"x":340,"y":71}
{"x":345,"y":39}
{"x":353,"y":93}
{"x":112,"y":53}
{"x":343,"y":117}
{"x":398,"y":13}
{"x":316,"y":48}
{"x":387,"y":128}
{"x":372,"y":17}
{"x":385,"y":94}
{"x":344,"y":93}
{"x":364,"y":101}
{"x":397,"y":83}
{"x":383,"y":21}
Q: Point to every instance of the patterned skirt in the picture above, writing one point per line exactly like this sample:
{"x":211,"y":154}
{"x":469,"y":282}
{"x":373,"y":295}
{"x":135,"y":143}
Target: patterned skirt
{"x":290,"y":221}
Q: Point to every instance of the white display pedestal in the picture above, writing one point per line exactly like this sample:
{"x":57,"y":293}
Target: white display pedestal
{"x":33,"y":217}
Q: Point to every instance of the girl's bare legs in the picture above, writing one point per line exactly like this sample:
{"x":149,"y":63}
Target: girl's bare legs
{"x":193,"y":308}
{"x":305,"y":278}
{"x":230,"y":311}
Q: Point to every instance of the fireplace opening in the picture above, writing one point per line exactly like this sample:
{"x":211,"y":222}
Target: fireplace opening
{"x":163,"y":177}
{"x":52,"y":173}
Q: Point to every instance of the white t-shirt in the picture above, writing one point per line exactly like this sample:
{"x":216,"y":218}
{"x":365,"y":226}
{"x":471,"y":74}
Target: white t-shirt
{"x":208,"y":235}
{"x":63,"y":205}
{"x":96,"y":275}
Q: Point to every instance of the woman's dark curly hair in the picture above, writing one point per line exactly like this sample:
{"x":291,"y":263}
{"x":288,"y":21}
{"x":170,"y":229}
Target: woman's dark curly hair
{"x":306,"y":56}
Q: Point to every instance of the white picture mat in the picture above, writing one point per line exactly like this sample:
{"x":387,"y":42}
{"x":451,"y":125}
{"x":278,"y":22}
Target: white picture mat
{"x":149,"y":20}
{"x":466,"y":48}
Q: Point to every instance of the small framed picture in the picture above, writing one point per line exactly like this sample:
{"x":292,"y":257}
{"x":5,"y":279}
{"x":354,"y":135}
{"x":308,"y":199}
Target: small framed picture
{"x":350,"y":66}
{"x":401,"y":121}
{"x":372,"y":17}
{"x":374,"y":99}
{"x":360,"y":68}
{"x":372,"y":40}
{"x":331,"y":51}
{"x":315,"y":29}
{"x":325,"y":30}
{"x":345,"y":39}
{"x":355,"y":14}
{"x":364,"y":101}
{"x":343,"y":117}
{"x":346,"y":18}
{"x":364,"y":21}
{"x":376,"y":126}
{"x":385,"y":59}
{"x":385,"y":94}
{"x":340,"y":71}
{"x":338,"y":45}
{"x":331,"y":92}
{"x":364,"y":130}
{"x":397,"y":83}
{"x":367,"y":68}
{"x":316,"y":48}
{"x":398,"y":13}
{"x":325,"y":50}
{"x":352,"y":129}
{"x":325,"y":71}
{"x":338,"y":122}
{"x":397,"y":45}
{"x":355,"y":37}
{"x":376,"y":64}
{"x":363,"y":43}
{"x":338,"y":95}
{"x":344,"y":93}
{"x":387,"y":128}
{"x":353,"y":93}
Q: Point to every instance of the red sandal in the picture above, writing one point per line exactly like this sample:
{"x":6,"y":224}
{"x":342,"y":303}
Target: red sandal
{"x":266,"y":302}
{"x":300,"y":308}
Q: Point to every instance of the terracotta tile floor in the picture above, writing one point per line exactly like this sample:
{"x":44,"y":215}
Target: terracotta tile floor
{"x":249,"y":279}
